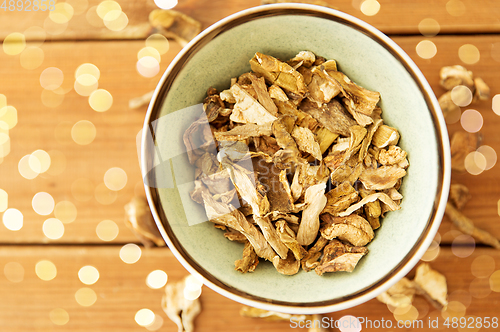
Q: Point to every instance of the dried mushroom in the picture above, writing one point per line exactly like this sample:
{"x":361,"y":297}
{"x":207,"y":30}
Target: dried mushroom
{"x":459,"y":195}
{"x":461,"y":144}
{"x":178,"y":308}
{"x":452,"y":76}
{"x":433,"y":283}
{"x":174,"y":24}
{"x":269,"y":315}
{"x":305,"y":153}
{"x":139,"y":219}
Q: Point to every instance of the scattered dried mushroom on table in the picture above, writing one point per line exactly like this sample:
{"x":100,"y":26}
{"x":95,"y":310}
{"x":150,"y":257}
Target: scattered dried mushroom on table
{"x":295,"y":161}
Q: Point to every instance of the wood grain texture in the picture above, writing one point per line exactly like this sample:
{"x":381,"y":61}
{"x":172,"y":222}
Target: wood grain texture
{"x":38,"y":125}
{"x":394,"y":17}
{"x":121,"y":291}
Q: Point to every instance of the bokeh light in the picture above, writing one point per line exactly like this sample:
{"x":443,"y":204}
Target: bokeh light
{"x":426,"y":49}
{"x":370,"y":7}
{"x":59,"y":316}
{"x":115,"y":22}
{"x":88,"y":68}
{"x":32,"y":58}
{"x":65,"y":211}
{"x":82,"y":189}
{"x":166,"y":4}
{"x":39,"y":161}
{"x":62,"y":13}
{"x":144,"y":317}
{"x":432,"y":252}
{"x":482,"y":266}
{"x":52,"y":98}
{"x":104,"y":195}
{"x":14,"y":272}
{"x":454,"y":309}
{"x":25,"y":169}
{"x":43,"y":203}
{"x":455,"y":8}
{"x":463,"y":246}
{"x":149,"y":51}
{"x":14,"y":43}
{"x":148,"y":66}
{"x":51,"y":78}
{"x":83,"y":132}
{"x":495,"y":281}
{"x":469,"y":54}
{"x":8,"y":117}
{"x":85,"y":297}
{"x":107,"y":6}
{"x":495,"y":51}
{"x":4,"y":145}
{"x":107,"y":230}
{"x":192,"y":288}
{"x":93,"y":18}
{"x":156,"y":324}
{"x":429,"y":27}
{"x":130,"y":253}
{"x":461,"y":296}
{"x":489,"y":154}
{"x":471,"y":120}
{"x":495,"y":104}
{"x":410,"y":313}
{"x":88,"y":275}
{"x":461,"y":95}
{"x":53,"y":228}
{"x":115,"y":178}
{"x":100,"y":100}
{"x":13,"y":219}
{"x":158,"y":42}
{"x":45,"y":270}
{"x":156,"y":279}
{"x":475,"y":163}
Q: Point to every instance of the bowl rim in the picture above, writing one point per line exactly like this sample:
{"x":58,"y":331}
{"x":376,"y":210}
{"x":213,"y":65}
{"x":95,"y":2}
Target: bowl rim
{"x":444,"y":159}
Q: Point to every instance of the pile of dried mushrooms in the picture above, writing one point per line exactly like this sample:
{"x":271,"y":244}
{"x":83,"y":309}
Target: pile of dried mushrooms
{"x":295,"y":161}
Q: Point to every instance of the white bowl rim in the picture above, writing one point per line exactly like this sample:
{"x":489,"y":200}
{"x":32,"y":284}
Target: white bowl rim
{"x":442,"y":138}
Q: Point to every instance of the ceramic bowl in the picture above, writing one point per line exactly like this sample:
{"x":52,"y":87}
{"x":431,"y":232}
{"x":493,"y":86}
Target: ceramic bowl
{"x":370,"y":59}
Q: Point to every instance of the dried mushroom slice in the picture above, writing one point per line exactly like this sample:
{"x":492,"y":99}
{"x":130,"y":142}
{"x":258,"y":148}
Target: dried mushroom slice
{"x":385,"y":136}
{"x":266,"y":144}
{"x":306,"y":176}
{"x":391,"y":205}
{"x":353,"y":229}
{"x":276,"y":93}
{"x":270,"y":315}
{"x":234,"y":235}
{"x":139,"y":219}
{"x":467,"y":226}
{"x":282,"y":129}
{"x":179,"y":309}
{"x":249,"y":261}
{"x":279,"y":73}
{"x":459,"y":195}
{"x":247,"y":109}
{"x":192,"y":140}
{"x":309,"y":225}
{"x":288,"y":266}
{"x":392,"y":156}
{"x":228,"y":216}
{"x":287,"y":236}
{"x":447,"y":105}
{"x":333,"y":116}
{"x":259,"y":85}
{"x":482,"y":91}
{"x":338,"y":256}
{"x":322,"y":88}
{"x":174,"y":24}
{"x":400,"y":295}
{"x":244,"y":132}
{"x":340,"y":198}
{"x":305,"y":58}
{"x":384,"y":177}
{"x":433,"y":283}
{"x":462,"y":143}
{"x":306,"y":142}
{"x":452,"y":76}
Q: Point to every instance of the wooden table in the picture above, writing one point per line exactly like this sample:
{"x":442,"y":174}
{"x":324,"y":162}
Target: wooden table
{"x":45,"y":121}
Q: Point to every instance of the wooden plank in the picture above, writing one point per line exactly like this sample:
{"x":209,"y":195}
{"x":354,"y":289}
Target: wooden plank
{"x":114,"y":145}
{"x":121,"y":291}
{"x":38,"y":125}
{"x":483,"y":206}
{"x":468,"y":17}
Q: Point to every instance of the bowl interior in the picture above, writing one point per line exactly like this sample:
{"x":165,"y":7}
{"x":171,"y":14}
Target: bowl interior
{"x":224,"y":53}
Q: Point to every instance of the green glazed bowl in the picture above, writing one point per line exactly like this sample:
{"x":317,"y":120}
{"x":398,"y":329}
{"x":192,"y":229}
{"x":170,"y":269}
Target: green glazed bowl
{"x":370,"y":59}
